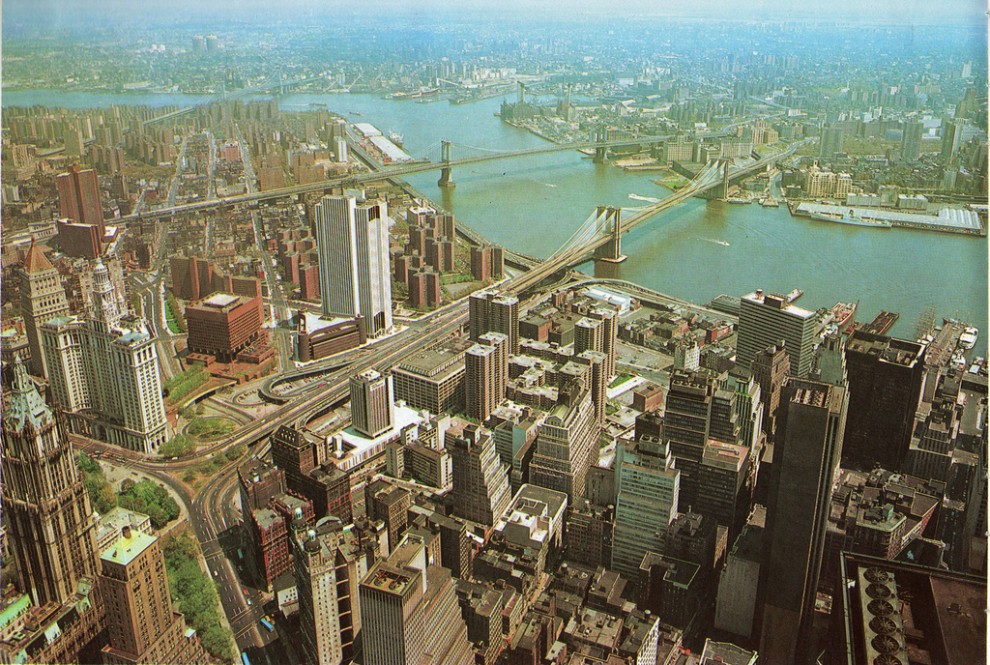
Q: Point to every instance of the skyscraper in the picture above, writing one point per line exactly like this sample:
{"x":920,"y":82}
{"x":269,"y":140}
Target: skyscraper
{"x":485,"y":375}
{"x":567,"y":444}
{"x":767,"y":319}
{"x":831,"y":143}
{"x":587,"y":335}
{"x":329,"y":567}
{"x":647,"y":487}
{"x":143,"y":625}
{"x":79,"y":197}
{"x":490,"y":312}
{"x":409,"y":610}
{"x":606,"y":341}
{"x":686,"y":427}
{"x":42,"y":299}
{"x":481,"y":484}
{"x":371,"y":403}
{"x":81,"y":228}
{"x":46,"y":507}
{"x":805,"y":460}
{"x":103,"y":370}
{"x":770,"y":368}
{"x":952,"y":131}
{"x":355,"y":273}
{"x":886,"y":377}
{"x":911,"y":140}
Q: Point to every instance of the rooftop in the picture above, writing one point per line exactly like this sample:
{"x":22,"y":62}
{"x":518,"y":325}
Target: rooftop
{"x":778,"y":302}
{"x":127,"y":548}
{"x":433,"y":361}
{"x":220,"y":300}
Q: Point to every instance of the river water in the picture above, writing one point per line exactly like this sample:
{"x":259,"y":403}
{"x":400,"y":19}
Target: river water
{"x":533,"y":204}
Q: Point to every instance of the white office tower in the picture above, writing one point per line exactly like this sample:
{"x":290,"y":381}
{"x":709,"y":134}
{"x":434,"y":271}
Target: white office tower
{"x":371,"y":403}
{"x":103,"y":371}
{"x":647,"y":486}
{"x":355,"y":270}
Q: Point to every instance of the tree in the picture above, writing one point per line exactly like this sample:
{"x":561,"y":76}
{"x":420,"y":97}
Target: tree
{"x":154,"y":501}
{"x":101,"y":494}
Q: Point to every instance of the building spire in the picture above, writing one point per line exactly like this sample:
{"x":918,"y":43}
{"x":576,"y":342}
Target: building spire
{"x":104,"y":302}
{"x":35,"y":260}
{"x":26,"y":403}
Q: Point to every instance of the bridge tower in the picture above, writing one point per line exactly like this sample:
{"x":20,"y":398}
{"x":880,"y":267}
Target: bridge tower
{"x":445,"y":180}
{"x":600,"y":137}
{"x":610,"y":223}
{"x":725,"y":179}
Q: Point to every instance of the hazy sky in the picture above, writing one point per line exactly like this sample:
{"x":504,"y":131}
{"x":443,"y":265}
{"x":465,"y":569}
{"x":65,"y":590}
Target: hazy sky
{"x":901,"y":11}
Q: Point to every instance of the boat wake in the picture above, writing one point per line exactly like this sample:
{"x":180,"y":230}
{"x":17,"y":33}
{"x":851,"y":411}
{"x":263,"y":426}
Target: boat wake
{"x":717,"y":242}
{"x":648,"y":199}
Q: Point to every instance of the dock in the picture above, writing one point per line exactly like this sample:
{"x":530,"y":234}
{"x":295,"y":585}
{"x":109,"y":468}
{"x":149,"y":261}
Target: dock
{"x":965,"y":221}
{"x":941,"y":348}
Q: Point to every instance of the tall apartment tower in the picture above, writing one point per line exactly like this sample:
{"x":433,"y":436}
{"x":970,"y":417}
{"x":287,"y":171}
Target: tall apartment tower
{"x":143,"y":626}
{"x":107,"y":366}
{"x":831,"y":143}
{"x":372,"y":403}
{"x":328,"y":570}
{"x":605,"y":341}
{"x":355,"y":271}
{"x":46,"y":506}
{"x":770,"y":368}
{"x":588,"y":335}
{"x":409,"y":610}
{"x":42,"y":299}
{"x":567,"y":444}
{"x":767,"y":319}
{"x":481,"y":484}
{"x":805,"y":461}
{"x":911,"y":141}
{"x":886,"y":379}
{"x":490,"y":312}
{"x":647,"y":487}
{"x":952,"y":131}
{"x":79,"y":197}
{"x":486,"y":369}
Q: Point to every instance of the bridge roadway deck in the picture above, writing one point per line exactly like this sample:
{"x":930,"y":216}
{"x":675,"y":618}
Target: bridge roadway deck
{"x":472,"y":236}
{"x":580,"y":253}
{"x":385,"y":174}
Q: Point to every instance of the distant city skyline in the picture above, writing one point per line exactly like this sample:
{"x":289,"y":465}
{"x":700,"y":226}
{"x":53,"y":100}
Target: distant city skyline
{"x":915,"y":12}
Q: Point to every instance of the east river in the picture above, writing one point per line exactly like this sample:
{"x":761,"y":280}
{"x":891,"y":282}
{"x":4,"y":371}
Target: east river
{"x":533,"y":204}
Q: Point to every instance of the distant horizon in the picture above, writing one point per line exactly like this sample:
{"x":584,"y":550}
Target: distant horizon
{"x":58,"y":14}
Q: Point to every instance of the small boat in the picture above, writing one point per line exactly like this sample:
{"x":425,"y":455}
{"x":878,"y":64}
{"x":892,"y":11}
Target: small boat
{"x":968,"y":339}
{"x":717,"y":242}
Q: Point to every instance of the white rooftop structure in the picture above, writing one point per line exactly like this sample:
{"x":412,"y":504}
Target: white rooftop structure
{"x":351,"y":448}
